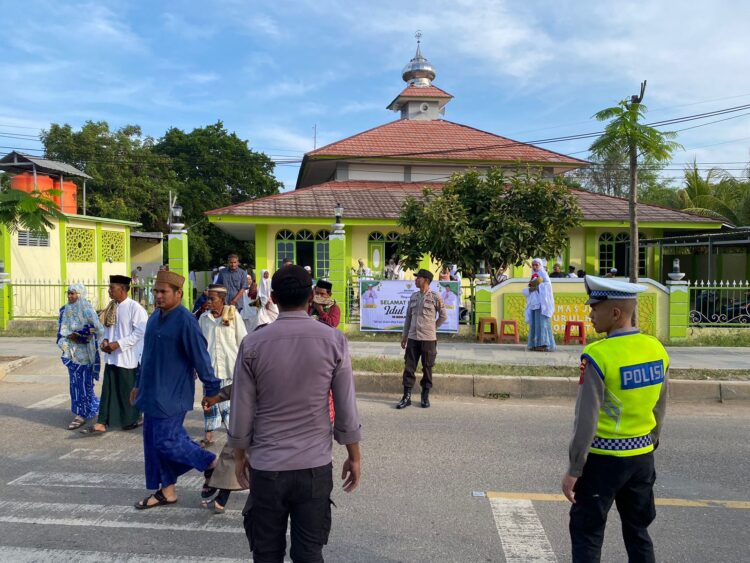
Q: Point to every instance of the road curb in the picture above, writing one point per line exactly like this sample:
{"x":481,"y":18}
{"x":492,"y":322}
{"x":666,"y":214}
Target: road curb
{"x":520,"y":387}
{"x":7,"y":367}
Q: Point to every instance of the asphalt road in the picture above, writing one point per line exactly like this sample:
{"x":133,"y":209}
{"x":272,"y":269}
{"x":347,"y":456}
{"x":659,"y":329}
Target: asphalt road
{"x":66,"y":497}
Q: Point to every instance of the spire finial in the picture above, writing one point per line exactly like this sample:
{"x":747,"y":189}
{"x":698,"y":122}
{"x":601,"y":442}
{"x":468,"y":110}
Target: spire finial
{"x":419,"y":72}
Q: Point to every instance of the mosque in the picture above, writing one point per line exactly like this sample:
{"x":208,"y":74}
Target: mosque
{"x":349,"y":194}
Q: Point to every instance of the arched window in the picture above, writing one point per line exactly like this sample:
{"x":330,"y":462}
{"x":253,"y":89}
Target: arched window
{"x":391,"y":246}
{"x":614,"y":252}
{"x":285,"y":247}
{"x":322,"y":258}
{"x":305,"y":235}
{"x":375,"y":237}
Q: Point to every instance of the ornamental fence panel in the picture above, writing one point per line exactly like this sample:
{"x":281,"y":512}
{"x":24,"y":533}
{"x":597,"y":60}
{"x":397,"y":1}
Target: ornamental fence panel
{"x":720,"y":303}
{"x":42,"y":299}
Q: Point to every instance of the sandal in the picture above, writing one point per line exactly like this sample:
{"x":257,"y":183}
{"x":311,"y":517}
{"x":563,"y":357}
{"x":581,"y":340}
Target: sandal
{"x":161,"y":500}
{"x":91,"y":431}
{"x":218,"y":509}
{"x":76,"y":423}
{"x":206,"y":443}
{"x":208,"y":491}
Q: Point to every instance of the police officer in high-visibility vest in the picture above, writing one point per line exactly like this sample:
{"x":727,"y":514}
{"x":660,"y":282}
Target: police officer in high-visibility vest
{"x":621,"y":404}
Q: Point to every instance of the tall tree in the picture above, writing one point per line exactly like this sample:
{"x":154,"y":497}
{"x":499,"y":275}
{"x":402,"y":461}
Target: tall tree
{"x":215,"y":168}
{"x":488,"y":221}
{"x":129,"y":182}
{"x":625,"y":135}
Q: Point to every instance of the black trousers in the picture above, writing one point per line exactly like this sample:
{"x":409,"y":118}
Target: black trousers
{"x":629,"y":482}
{"x":426,"y":350}
{"x":275,"y":496}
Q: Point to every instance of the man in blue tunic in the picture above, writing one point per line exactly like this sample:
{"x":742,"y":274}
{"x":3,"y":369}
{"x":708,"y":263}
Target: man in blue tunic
{"x":173,"y":349}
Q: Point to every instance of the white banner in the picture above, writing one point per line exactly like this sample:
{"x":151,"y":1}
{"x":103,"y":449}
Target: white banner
{"x":382,"y":304}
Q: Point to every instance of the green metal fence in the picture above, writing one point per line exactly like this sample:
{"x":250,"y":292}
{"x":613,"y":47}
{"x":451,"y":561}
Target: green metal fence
{"x":720,"y":303}
{"x":42,"y":299}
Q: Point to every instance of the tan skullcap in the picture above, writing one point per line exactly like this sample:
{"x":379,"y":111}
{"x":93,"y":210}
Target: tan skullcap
{"x":172,"y":278}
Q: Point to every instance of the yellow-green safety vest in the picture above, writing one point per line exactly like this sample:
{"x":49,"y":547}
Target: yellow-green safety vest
{"x":633,"y":367}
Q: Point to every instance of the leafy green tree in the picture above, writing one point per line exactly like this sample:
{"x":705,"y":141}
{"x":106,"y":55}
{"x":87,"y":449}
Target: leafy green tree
{"x":130,"y":181}
{"x":625,"y":135}
{"x":215,"y":168}
{"x":480,"y":222}
{"x":610,"y":175}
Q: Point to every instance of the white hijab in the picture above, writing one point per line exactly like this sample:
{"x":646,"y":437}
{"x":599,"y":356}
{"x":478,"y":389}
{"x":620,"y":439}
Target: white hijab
{"x":264,"y":288}
{"x":546,"y":299}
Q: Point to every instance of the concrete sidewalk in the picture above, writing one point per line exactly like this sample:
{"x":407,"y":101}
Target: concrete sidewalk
{"x":517,"y":354}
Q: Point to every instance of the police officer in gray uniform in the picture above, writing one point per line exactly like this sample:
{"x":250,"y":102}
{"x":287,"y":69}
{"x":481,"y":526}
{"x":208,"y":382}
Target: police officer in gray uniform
{"x":424,"y":314}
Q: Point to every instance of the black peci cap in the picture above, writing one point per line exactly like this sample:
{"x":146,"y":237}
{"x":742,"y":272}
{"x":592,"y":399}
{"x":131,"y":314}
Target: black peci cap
{"x":324,"y":284}
{"x":424,"y":274}
{"x":123,"y":280}
{"x":290,"y":278}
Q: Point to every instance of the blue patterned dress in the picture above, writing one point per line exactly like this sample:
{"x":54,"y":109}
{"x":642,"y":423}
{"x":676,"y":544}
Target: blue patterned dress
{"x":81,"y":356}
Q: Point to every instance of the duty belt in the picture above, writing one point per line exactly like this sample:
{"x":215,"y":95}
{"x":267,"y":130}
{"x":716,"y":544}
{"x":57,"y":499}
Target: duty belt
{"x":622,"y":444}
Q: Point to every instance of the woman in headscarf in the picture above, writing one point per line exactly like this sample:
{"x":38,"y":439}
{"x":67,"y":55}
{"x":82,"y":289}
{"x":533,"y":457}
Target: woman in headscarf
{"x":540,"y":306}
{"x":268,"y":310}
{"x":77,"y":332}
{"x":250,"y":303}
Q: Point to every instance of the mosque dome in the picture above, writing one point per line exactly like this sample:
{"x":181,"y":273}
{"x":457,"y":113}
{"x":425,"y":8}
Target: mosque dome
{"x":419,"y":72}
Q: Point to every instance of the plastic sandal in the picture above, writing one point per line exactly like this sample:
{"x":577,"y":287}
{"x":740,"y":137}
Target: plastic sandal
{"x":161,"y":500}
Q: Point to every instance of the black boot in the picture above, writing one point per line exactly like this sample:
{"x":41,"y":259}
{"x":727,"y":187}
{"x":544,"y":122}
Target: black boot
{"x":405,"y":400}
{"x":425,"y":398}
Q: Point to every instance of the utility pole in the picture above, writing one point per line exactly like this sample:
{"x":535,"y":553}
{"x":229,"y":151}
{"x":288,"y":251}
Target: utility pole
{"x":635,"y":101}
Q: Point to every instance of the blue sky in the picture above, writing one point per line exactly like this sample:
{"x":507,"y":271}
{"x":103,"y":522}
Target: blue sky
{"x":273,"y":70}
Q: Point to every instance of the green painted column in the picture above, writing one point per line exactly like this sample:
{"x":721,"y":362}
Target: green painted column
{"x":6,"y":293}
{"x":679,"y":309}
{"x":177,"y":251}
{"x":590,"y":250}
{"x":99,"y":264}
{"x":5,"y":290}
{"x":338,"y":270}
{"x":63,"y":230}
{"x":128,"y":266}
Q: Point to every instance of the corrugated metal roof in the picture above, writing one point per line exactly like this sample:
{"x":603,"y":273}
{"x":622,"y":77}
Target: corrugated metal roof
{"x":19,"y":162}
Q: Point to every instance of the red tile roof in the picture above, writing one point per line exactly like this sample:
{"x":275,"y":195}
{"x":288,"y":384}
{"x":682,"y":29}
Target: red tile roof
{"x":439,"y":140}
{"x":424,"y":92}
{"x":382,"y":200}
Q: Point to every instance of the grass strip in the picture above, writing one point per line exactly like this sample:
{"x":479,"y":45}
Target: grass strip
{"x":383,"y":365}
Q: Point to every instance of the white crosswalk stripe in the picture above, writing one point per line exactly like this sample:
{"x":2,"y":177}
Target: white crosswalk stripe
{"x":96,"y":480}
{"x":521,"y":533}
{"x":51,"y":402}
{"x":101,"y":454}
{"x":35,"y":555}
{"x":108,"y":516}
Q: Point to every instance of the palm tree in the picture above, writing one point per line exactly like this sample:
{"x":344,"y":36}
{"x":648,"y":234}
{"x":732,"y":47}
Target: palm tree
{"x":28,"y":211}
{"x":718,"y":194}
{"x":638,"y":142}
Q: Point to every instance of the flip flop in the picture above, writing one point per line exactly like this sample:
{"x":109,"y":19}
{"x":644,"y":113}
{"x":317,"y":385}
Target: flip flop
{"x":76,"y":423}
{"x":207,"y":443}
{"x":91,"y":431}
{"x":161,"y":500}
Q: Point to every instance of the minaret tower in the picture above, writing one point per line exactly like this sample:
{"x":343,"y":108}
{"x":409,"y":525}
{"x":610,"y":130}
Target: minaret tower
{"x":420,"y":100}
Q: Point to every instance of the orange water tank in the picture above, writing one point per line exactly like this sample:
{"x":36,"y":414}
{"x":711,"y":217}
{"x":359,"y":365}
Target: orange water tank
{"x":25,"y":182}
{"x":69,"y":202}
